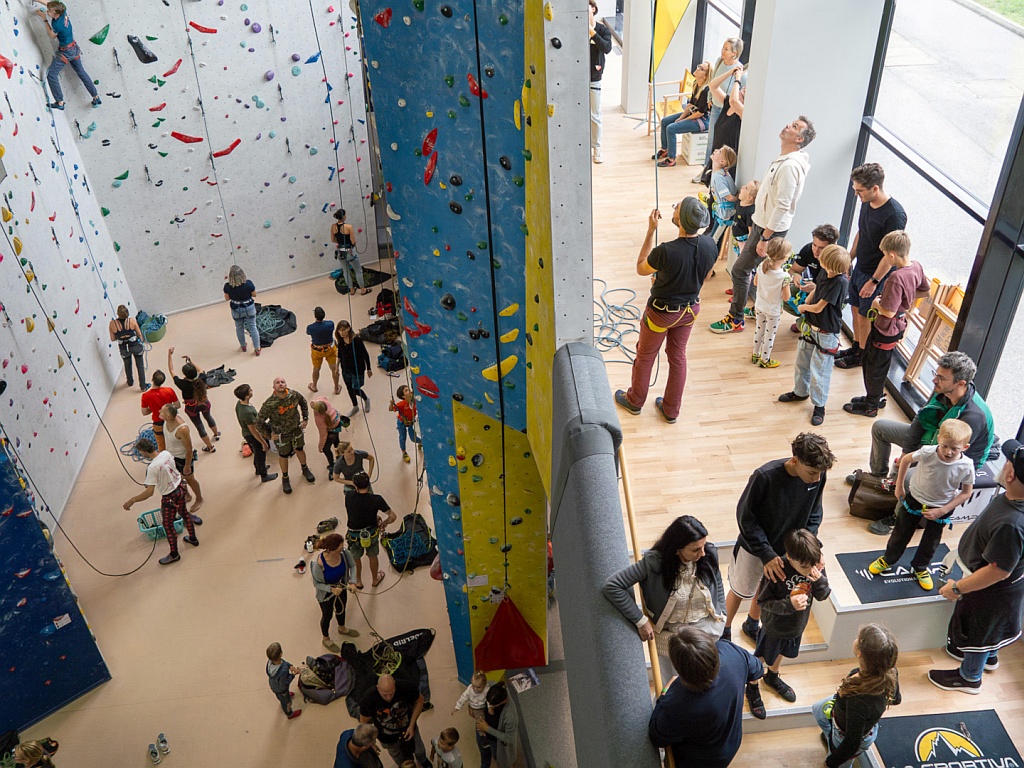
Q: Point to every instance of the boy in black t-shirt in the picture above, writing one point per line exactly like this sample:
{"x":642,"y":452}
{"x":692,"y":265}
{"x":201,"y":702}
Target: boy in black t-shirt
{"x":365,"y":525}
{"x":821,"y":324}
{"x":805,"y":266}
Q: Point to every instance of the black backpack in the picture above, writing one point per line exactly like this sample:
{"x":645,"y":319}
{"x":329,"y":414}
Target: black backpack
{"x":385,"y":303}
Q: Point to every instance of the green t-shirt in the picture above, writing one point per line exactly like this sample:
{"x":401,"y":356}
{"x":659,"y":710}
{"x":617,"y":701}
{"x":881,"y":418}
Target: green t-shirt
{"x":246,"y":415}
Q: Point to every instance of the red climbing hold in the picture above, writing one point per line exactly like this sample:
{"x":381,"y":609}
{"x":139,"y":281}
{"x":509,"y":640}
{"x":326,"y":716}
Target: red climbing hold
{"x":6,"y":65}
{"x":474,"y":87}
{"x":184,"y":137}
{"x":423,"y":328}
{"x":32,"y":207}
{"x":426,"y":387}
{"x":229,"y":150}
{"x":428,"y":172}
{"x":191,"y":212}
{"x":38,"y":150}
{"x":383,"y":18}
{"x":408,"y":306}
{"x":200,"y":28}
{"x":428,"y":143}
{"x":173,"y":69}
{"x":54,"y":217}
{"x":158,"y":107}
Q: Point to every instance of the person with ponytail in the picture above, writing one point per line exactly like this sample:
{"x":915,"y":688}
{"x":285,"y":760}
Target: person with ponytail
{"x":332,"y":573}
{"x":32,"y":754}
{"x":193,"y":393}
{"x":849,"y":719}
{"x":681,"y":585}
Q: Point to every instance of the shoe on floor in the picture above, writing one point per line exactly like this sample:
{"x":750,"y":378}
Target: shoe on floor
{"x":286,"y":484}
{"x":861,"y":409}
{"x":257,"y":355}
{"x":661,"y":153}
{"x":405,"y":457}
{"x":847,"y":352}
{"x":849,"y":361}
{"x":750,"y":628}
{"x":755,"y":359}
{"x":879,"y":566}
{"x":196,"y":519}
{"x":882,"y":401}
{"x":622,"y":401}
{"x":330,"y":645}
{"x":597,"y":157}
{"x":171,"y":558}
{"x":145,"y":387}
{"x":728,"y":291}
{"x":728,"y":324}
{"x":427,"y":706}
{"x":882,"y":527}
{"x":792,"y":397}
{"x":924,"y":578}
{"x":753,"y":694}
{"x":768,"y":363}
{"x":950,"y":680}
{"x":660,"y":409}
{"x":818,"y":416}
{"x":191,"y":540}
{"x":748,"y":312}
{"x":695,"y":180}
{"x":308,"y":475}
{"x":268,"y":477}
{"x":780,"y":686}
{"x":294,"y":714}
{"x":353,"y":412}
{"x":990,"y":666}
{"x":366,"y":405}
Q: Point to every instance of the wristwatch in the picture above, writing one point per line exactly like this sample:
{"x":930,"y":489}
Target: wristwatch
{"x":873,"y":280}
{"x":956,"y":589}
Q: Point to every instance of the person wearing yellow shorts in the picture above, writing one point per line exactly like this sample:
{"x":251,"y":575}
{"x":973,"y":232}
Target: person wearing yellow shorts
{"x":321,"y":334}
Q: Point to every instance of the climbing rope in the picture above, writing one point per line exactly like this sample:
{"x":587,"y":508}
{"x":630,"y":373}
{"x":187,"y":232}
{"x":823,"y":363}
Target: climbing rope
{"x":129,"y":449}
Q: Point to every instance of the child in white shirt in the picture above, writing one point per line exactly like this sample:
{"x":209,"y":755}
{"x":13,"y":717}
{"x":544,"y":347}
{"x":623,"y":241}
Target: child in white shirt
{"x":476,"y":695}
{"x":443,"y":752}
{"x":772,"y":283}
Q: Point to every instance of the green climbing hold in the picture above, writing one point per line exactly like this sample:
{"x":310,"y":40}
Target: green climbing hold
{"x":518,"y":180}
{"x":105,"y":211}
{"x":417,"y":4}
{"x":434,"y":230}
{"x":162,"y":154}
{"x":123,"y":176}
{"x":451,"y":113}
{"x":477,"y":478}
{"x":495,"y":264}
{"x":493,"y":539}
{"x":528,"y":83}
{"x":156,"y":124}
{"x":503,"y":19}
{"x":453,"y":349}
{"x":449,"y":81}
{"x":462,"y":470}
{"x":525,"y":229}
{"x":100,"y":36}
{"x":528,"y":154}
{"x":510,"y":384}
{"x":478,"y":405}
{"x":469,"y":196}
{"x":117,"y":248}
{"x":417,"y":152}
{"x":529,"y":365}
{"x":151,"y":38}
{"x":437,"y":283}
{"x":463,"y":100}
{"x":481,"y":244}
{"x":462,"y":315}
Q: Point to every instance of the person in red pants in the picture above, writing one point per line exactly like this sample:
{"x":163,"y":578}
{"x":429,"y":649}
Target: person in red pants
{"x":163,"y":476}
{"x":679,"y":267}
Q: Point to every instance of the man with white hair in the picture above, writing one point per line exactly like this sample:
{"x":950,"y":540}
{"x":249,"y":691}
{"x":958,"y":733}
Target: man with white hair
{"x":357,"y":748}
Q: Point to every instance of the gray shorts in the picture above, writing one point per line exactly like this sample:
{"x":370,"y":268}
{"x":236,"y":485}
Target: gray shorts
{"x":745,"y":572}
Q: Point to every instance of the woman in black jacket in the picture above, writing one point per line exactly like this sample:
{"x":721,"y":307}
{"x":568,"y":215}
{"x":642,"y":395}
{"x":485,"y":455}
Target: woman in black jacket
{"x":681,"y":585}
{"x":354,"y":360}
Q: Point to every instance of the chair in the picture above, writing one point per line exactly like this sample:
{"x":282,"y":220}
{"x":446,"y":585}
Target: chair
{"x":669,"y":103}
{"x":935,"y":317}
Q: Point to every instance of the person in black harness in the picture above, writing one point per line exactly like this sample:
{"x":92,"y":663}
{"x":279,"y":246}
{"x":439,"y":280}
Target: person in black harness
{"x":126,"y":332}
{"x":68,"y":52}
{"x":679,"y":267}
{"x":343,"y":237}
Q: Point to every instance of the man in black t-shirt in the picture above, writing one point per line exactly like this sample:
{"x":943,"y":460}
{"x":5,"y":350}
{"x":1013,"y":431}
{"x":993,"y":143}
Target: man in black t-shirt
{"x":394,"y":709}
{"x":805,"y":266}
{"x":365,"y":525}
{"x":679,"y":267}
{"x":880,"y":214}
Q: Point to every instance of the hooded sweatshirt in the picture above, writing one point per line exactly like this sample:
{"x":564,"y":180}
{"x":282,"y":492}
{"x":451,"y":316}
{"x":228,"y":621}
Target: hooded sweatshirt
{"x":781,"y":187}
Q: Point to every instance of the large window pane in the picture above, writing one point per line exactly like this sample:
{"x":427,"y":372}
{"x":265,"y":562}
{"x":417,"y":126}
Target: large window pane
{"x":718,"y":28}
{"x":1005,"y":397}
{"x":951,"y":87}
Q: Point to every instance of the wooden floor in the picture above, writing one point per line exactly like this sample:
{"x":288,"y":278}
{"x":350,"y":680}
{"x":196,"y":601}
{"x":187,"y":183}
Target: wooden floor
{"x":730,"y":424}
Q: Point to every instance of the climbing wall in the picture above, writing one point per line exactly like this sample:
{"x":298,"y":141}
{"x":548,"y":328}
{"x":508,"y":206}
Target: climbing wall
{"x":447,"y":85}
{"x":60,"y":281}
{"x":215,"y":142}
{"x":50,"y":656}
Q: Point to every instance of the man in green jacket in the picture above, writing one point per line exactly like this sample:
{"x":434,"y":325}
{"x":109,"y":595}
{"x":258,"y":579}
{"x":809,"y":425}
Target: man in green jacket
{"x":280,"y":415}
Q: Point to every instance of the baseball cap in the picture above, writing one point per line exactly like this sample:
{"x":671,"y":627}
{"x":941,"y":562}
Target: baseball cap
{"x":1014,"y":453}
{"x":693,"y":215}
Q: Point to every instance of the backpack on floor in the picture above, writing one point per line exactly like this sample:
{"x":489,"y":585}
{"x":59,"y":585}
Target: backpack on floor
{"x":869,"y":499}
{"x":385,"y":305}
{"x":327,"y":678}
{"x":391,"y":357}
{"x":382,"y":332}
{"x":411,"y":546}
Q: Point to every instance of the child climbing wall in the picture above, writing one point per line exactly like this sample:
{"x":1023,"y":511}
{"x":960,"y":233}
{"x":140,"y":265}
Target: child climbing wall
{"x":266,"y":89}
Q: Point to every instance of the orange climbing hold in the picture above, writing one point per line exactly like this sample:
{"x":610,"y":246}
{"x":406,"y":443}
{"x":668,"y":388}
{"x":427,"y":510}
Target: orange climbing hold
{"x":184,"y":137}
{"x":229,"y":150}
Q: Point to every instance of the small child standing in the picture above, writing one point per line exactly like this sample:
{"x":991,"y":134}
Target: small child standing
{"x":943,"y":480}
{"x":723,"y":190}
{"x":281,"y":674}
{"x":476,"y":696}
{"x":822,"y":321}
{"x":772,"y":283}
{"x":785,"y":611}
{"x":443,"y":752}
{"x":405,"y":412}
{"x":903,"y":286}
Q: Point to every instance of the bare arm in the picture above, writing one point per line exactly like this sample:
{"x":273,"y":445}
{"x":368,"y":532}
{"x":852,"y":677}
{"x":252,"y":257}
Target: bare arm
{"x":371,"y":461}
{"x":642,"y":267}
{"x":258,"y":435}
{"x":391,"y":517}
{"x":937,"y":513}
{"x":187,"y":442}
{"x":735,"y":100}
{"x":980,"y":579}
{"x":716,"y":84}
{"x":111,"y":329}
{"x":170,"y":362}
{"x":140,"y":497}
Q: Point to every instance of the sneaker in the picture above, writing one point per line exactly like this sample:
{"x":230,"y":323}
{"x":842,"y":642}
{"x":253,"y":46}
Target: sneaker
{"x":846,"y":352}
{"x":695,"y":180}
{"x":660,"y":409}
{"x":861,"y":409}
{"x":301,"y":567}
{"x":245,"y":348}
{"x":295,"y":713}
{"x":366,"y":405}
{"x":923,"y":578}
{"x":597,"y":157}
{"x":879,"y":566}
{"x":883,"y":527}
{"x":990,"y":666}
{"x":330,"y":474}
{"x":792,"y":397}
{"x":427,"y":706}
{"x":96,"y":102}
{"x":950,"y":680}
{"x":353,"y":412}
{"x":748,"y":312}
{"x":191,"y":540}
{"x":145,"y":387}
{"x":849,"y":361}
{"x":257,"y":355}
{"x":154,"y":754}
{"x":727,"y":634}
{"x":308,"y":475}
{"x":171,"y":558}
{"x":768,"y":363}
{"x":818,"y":416}
{"x":60,"y":105}
{"x":780,"y":686}
{"x":750,"y":628}
{"x":162,"y":745}
{"x":268,"y":477}
{"x":753,"y":694}
{"x":196,"y":519}
{"x":405,"y":457}
{"x":330,"y":645}
{"x":755,"y":359}
{"x":795,"y":328}
{"x":728,"y":324}
{"x":882,"y":401}
{"x":286,"y":484}
{"x":623,"y":401}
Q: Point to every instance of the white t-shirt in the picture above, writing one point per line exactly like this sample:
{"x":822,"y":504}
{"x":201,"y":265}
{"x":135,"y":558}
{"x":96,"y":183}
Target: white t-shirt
{"x":769,"y":291}
{"x":934,"y":482}
{"x":162,"y":473}
{"x":446,"y":759}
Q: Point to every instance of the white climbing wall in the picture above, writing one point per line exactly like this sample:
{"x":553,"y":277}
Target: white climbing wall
{"x":59,"y":293}
{"x":267,"y":203}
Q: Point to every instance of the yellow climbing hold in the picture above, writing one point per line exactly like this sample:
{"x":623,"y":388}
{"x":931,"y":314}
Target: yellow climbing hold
{"x":60,"y":362}
{"x":451,"y":461}
{"x":510,"y":310}
{"x":30,"y":324}
{"x":430,"y":114}
{"x":415,"y":369}
{"x":549,"y":12}
{"x":6,"y":213}
{"x":2,"y":150}
{"x":494,"y":372}
{"x":441,"y":185}
{"x":437,"y":252}
{"x":488,"y":398}
{"x":30,"y":275}
{"x":17,"y":246}
{"x":551,"y":110}
{"x":510,"y":336}
{"x":49,"y":325}
{"x":515,"y":116}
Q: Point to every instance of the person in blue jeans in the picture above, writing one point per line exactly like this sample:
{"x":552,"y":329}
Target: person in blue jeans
{"x":404,"y":409}
{"x":849,"y":719}
{"x":693,"y":118}
{"x":241,"y":293}
{"x":68,"y":53}
{"x":343,"y":237}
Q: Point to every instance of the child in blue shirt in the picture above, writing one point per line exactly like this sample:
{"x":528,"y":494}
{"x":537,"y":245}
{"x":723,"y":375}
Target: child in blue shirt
{"x":281,"y":673}
{"x":68,"y":52}
{"x":723,"y":189}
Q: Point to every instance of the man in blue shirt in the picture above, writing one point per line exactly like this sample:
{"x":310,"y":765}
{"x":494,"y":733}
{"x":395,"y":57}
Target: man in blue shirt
{"x":357,"y":748}
{"x":322,"y":347}
{"x":68,"y":52}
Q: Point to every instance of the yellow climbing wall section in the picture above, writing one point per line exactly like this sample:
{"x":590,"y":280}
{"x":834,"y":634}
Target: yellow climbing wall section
{"x":497,"y":530}
{"x":540,"y":304}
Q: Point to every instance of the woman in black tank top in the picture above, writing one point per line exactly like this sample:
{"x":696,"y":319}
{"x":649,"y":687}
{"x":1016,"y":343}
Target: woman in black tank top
{"x":351,"y":268}
{"x":126,"y":332}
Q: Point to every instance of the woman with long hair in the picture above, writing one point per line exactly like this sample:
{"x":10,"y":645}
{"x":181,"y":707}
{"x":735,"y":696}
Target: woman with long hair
{"x":332,"y":573}
{"x":729,"y":59}
{"x":194,"y":395}
{"x":681,"y":586}
{"x":126,"y":332}
{"x":354,"y":361}
{"x":849,"y":719}
{"x":241,"y":292}
{"x":329,"y":424}
{"x":343,"y":237}
{"x":32,"y":754}
{"x":693,"y":118}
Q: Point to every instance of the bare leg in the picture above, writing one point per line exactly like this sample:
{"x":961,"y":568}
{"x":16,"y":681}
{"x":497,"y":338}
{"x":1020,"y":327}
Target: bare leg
{"x":194,"y":485}
{"x":337,"y":384}
{"x":359,"y":571}
{"x":732,"y":605}
{"x":861,"y":329}
{"x":302,"y":457}
{"x":374,"y":566}
{"x":316,"y":376}
{"x":207,"y":442}
{"x":283,"y":463}
{"x":755,"y":611}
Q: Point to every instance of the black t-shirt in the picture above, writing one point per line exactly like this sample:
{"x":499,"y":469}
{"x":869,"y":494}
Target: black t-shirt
{"x":834,"y":291}
{"x":392,"y":718}
{"x":362,"y":509}
{"x":806,"y":259}
{"x":872,"y":226}
{"x":700,"y":101}
{"x":997,"y":538}
{"x":240,"y":293}
{"x":187,"y":388}
{"x":855,"y":716}
{"x":682,"y":265}
{"x":742,"y":220}
{"x":727,"y":129}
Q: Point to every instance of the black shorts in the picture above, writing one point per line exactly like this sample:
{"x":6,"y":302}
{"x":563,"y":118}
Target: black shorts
{"x":857,"y":281}
{"x":770,"y":648}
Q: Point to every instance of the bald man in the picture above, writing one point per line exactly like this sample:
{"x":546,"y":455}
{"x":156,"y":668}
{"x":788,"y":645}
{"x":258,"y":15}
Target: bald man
{"x":284,"y":417}
{"x":394,"y":708}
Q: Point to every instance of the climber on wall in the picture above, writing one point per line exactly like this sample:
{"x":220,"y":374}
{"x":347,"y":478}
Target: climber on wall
{"x":68,"y":52}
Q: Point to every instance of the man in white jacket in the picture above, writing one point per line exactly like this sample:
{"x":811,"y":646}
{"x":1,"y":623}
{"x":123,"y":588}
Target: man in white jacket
{"x":774,"y":209}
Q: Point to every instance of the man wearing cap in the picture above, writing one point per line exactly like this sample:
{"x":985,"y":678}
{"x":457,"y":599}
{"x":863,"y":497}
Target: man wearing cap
{"x":679,"y":267}
{"x":989,"y":598}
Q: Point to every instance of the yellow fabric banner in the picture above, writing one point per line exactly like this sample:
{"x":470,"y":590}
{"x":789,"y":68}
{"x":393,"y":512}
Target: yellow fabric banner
{"x":667,"y":15}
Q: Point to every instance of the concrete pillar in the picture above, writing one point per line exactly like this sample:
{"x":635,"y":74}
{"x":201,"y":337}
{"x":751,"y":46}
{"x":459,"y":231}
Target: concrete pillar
{"x":636,"y":52}
{"x":809,"y":58}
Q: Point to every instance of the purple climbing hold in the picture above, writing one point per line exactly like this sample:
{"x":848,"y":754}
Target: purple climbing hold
{"x":247,"y":22}
{"x":296,"y":57}
{"x":256,"y":27}
{"x":269,"y":75}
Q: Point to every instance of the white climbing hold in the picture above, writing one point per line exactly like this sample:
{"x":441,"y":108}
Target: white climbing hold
{"x":392,"y":215}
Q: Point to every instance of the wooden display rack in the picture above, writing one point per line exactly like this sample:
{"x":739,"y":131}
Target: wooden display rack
{"x":935,"y":317}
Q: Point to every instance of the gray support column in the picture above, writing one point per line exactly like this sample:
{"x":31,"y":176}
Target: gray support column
{"x":636,"y":55}
{"x":812,"y":58}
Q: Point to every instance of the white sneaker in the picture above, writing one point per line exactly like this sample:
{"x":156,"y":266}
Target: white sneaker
{"x":696,"y":179}
{"x":366,"y":405}
{"x":353,"y":412}
{"x":597,"y":156}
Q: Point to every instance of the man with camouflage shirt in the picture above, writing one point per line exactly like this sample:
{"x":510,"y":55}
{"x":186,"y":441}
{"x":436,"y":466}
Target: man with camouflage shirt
{"x":280,"y":415}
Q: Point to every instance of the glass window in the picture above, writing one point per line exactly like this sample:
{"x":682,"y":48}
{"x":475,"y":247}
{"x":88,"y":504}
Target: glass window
{"x":965,"y":87}
{"x":1004,"y":398}
{"x":719,"y":27}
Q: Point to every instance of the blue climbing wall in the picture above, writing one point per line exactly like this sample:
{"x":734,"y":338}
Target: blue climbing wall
{"x":49,"y":655}
{"x":446,"y":81}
